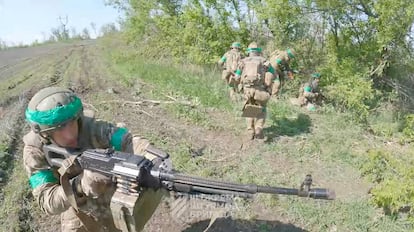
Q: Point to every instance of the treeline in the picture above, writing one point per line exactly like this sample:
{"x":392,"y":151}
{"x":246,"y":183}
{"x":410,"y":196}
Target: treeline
{"x":363,"y":48}
{"x":62,"y":33}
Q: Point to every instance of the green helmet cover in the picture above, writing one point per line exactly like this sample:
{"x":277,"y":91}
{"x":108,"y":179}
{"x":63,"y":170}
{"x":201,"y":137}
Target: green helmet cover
{"x":51,"y":108}
{"x":235,"y":45}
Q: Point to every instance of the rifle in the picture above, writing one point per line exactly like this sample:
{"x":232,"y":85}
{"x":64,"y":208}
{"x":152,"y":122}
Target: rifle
{"x":134,"y":172}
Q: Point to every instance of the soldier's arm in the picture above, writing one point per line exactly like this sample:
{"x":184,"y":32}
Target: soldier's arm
{"x":46,"y":189}
{"x":269,"y":67}
{"x":239,"y":70}
{"x":223,"y":59}
{"x":106,"y":135}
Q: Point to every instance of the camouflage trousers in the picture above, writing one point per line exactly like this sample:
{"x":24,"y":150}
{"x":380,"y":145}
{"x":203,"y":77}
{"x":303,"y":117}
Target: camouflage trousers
{"x":255,"y":124}
{"x":70,"y":222}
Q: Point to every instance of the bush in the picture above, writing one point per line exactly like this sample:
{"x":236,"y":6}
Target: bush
{"x":394,"y":191}
{"x":408,"y":129}
{"x":348,"y":88}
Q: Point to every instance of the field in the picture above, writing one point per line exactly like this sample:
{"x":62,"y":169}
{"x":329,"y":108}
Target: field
{"x":185,"y":110}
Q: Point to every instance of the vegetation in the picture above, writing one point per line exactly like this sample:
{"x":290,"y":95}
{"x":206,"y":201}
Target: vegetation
{"x":364,"y":50}
{"x":328,"y":139}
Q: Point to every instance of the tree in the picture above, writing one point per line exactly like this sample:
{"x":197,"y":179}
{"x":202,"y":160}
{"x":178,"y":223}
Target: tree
{"x":108,"y":29}
{"x":85,"y":34}
{"x":93,"y":26}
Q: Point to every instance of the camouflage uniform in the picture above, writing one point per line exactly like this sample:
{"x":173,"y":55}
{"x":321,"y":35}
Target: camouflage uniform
{"x":309,"y":92}
{"x":251,"y":71}
{"x":45,"y":180}
{"x":280,"y":62}
{"x":229,"y":61}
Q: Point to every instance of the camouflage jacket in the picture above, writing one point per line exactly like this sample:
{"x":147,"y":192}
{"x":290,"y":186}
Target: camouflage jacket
{"x":231,"y":59}
{"x":44,"y":179}
{"x":279,"y":60}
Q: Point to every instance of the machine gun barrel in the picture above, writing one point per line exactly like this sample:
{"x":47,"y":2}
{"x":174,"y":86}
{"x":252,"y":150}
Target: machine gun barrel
{"x":139,"y":171}
{"x":196,"y":184}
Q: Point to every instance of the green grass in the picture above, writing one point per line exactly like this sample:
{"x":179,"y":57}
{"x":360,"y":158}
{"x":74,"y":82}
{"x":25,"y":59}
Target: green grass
{"x":328,"y":139}
{"x":203,"y":88}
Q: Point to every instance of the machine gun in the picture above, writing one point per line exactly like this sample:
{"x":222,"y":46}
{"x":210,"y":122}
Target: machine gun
{"x":133,"y":172}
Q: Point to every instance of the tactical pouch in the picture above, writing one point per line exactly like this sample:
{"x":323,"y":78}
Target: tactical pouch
{"x":252,"y":111}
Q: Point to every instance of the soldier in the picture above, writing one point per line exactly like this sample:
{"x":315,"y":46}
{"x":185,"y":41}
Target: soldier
{"x":229,"y":62}
{"x":309,"y":92}
{"x":56,"y":116}
{"x":280,"y":61}
{"x":251,"y":73}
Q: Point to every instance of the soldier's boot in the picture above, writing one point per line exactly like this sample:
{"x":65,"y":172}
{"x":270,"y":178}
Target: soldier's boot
{"x":258,"y":133}
{"x":259,"y":124}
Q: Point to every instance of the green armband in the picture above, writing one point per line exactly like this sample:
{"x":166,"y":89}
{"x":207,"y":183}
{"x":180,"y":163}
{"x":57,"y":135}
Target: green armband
{"x":116,"y":139}
{"x":279,"y":61}
{"x":223,"y":59}
{"x":271,"y":69}
{"x":238,"y":72}
{"x":307,"y":89}
{"x":42,"y":177}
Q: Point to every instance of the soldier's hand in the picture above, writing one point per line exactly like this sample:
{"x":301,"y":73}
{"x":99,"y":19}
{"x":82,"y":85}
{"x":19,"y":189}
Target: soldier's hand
{"x":94,"y":184}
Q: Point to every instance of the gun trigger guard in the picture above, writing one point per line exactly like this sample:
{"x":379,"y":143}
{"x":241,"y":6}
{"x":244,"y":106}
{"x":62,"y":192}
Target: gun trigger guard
{"x":70,"y":166}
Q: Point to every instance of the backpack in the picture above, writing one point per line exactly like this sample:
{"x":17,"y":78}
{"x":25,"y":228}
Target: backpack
{"x":253,"y":70}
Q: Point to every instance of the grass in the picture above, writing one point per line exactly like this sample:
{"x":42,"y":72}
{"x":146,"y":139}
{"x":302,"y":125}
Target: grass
{"x":326,"y":144}
{"x":326,"y":140}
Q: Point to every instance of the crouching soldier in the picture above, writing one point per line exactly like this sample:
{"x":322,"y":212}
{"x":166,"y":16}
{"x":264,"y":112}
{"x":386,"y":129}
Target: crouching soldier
{"x":309,"y":92}
{"x":280,"y":61}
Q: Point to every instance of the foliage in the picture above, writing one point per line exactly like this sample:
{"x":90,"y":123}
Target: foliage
{"x":408,"y":129}
{"x":363,"y":41}
{"x":393,"y":177}
{"x":347,"y":89}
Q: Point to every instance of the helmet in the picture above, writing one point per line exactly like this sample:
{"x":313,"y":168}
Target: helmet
{"x":291,"y":53}
{"x":235,"y":45}
{"x":253,"y":48}
{"x":316,"y":75}
{"x":51,"y":108}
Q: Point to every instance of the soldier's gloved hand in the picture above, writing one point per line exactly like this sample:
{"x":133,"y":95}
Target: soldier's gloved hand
{"x":94,"y":184}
